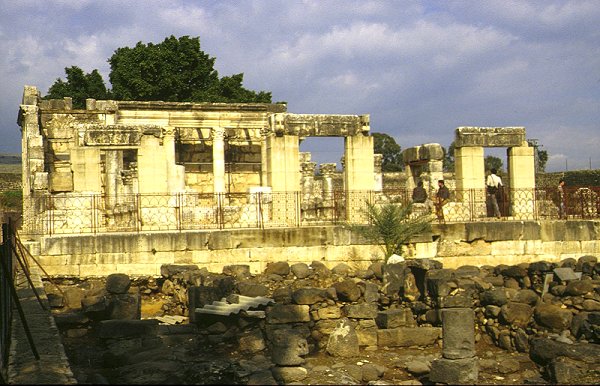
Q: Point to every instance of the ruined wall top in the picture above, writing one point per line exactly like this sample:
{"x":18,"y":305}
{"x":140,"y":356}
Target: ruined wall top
{"x":320,"y":125}
{"x":490,"y":137}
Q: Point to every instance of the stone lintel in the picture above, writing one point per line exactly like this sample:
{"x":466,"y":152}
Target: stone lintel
{"x":320,"y":125}
{"x":423,"y":153}
{"x":205,"y":106}
{"x":111,"y":135}
{"x":489,"y":137}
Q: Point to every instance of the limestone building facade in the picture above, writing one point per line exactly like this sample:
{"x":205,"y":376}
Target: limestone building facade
{"x":127,"y":165}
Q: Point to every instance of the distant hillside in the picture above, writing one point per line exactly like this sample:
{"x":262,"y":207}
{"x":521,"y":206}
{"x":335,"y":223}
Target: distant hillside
{"x":10,"y":158}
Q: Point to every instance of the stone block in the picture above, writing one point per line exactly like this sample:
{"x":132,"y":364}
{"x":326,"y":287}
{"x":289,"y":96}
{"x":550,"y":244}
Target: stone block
{"x":410,"y":154}
{"x":408,"y":336}
{"x":489,"y":136}
{"x":309,"y":295}
{"x":366,"y":333}
{"x":289,"y":374}
{"x":347,"y":290}
{"x":125,"y":306}
{"x":288,"y":347}
{"x":114,"y":329}
{"x":288,"y":313}
{"x":455,"y":371}
{"x":553,"y":317}
{"x":431,"y":151}
{"x":343,"y":341}
{"x":61,"y":181}
{"x":252,"y":341}
{"x":371,"y":292}
{"x":117,"y":283}
{"x":361,"y":311}
{"x":393,"y":318}
{"x":458,"y":329}
{"x":331,"y":312}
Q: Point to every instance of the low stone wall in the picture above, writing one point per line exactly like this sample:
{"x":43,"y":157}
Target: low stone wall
{"x":141,"y":254}
{"x":549,"y":310}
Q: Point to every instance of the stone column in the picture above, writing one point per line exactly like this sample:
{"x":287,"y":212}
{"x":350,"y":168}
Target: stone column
{"x":85,"y":162}
{"x":521,"y":168}
{"x":308,"y":183}
{"x":458,"y":364}
{"x":152,"y":166}
{"x":308,"y":180}
{"x":218,"y":151}
{"x":470,"y":177}
{"x":113,"y":166}
{"x":358,"y":175}
{"x":378,"y":158}
{"x":32,"y":158}
{"x":175,"y":173}
{"x":264,"y":169}
{"x":284,"y":177}
{"x":328,"y":171}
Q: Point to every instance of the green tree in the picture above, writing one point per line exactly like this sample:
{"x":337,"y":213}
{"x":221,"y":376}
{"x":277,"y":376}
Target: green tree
{"x":175,"y":70}
{"x":79,"y":86}
{"x":391,"y":226}
{"x":542,"y":159}
{"x":448,"y":163}
{"x":392,"y":156}
{"x":491,"y":162}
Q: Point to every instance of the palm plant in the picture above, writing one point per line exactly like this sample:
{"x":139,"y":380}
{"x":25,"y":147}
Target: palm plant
{"x":391,"y":226}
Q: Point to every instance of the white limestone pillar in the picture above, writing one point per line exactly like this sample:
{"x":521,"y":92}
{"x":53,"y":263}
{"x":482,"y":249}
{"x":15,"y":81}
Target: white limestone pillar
{"x":175,"y":173}
{"x":469,"y":166}
{"x":283,"y":176}
{"x":264,"y":169}
{"x":378,"y":174}
{"x":521,"y":168}
{"x":152,"y":166}
{"x":218,"y":151}
{"x":358,"y":175}
{"x":283,"y":163}
{"x":470,"y":178}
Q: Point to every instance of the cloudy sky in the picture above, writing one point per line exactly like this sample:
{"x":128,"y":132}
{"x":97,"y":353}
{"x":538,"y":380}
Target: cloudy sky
{"x":419,"y":68}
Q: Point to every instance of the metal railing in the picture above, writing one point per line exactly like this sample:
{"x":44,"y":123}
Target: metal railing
{"x":7,"y":276}
{"x":69,"y":213}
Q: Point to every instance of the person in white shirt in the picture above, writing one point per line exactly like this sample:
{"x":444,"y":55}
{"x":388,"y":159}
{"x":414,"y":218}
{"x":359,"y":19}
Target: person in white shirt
{"x":493,"y":184}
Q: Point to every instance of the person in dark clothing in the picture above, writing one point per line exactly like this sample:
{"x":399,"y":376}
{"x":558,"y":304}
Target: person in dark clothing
{"x":441,"y":198}
{"x":419,"y":194}
{"x":560,"y":198}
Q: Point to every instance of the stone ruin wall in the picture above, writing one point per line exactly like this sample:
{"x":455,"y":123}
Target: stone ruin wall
{"x":549,"y":311}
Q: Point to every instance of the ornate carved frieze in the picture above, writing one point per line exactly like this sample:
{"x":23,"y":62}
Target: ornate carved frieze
{"x":319,"y":125}
{"x":123,"y":135}
{"x":489,"y":136}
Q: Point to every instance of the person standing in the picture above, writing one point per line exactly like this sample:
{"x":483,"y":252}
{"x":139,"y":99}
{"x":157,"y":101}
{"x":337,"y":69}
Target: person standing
{"x":441,"y":198}
{"x":419,"y":195}
{"x":493,"y":185}
{"x":562,"y":207}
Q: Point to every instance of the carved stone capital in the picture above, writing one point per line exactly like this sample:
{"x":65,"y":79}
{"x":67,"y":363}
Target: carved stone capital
{"x":218,"y":133}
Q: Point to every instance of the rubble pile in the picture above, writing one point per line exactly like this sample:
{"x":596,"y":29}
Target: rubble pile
{"x":548,"y":312}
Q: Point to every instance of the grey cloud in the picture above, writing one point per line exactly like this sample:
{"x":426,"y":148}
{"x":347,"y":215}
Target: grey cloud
{"x":419,"y":68}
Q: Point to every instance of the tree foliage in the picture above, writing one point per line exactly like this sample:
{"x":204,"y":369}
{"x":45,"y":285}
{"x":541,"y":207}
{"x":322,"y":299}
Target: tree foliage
{"x":79,"y":86}
{"x":490,"y":162}
{"x":448,"y":163}
{"x":176,"y":70}
{"x":392,"y":225}
{"x":392,"y":155}
{"x":542,"y":159}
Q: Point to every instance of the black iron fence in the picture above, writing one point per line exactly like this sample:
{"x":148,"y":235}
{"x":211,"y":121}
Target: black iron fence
{"x":7,"y":275}
{"x":69,"y":213}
